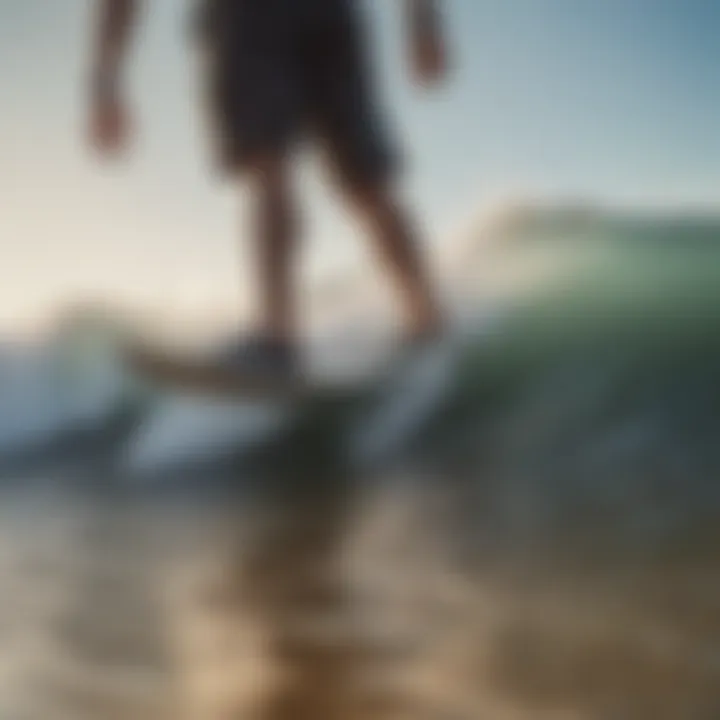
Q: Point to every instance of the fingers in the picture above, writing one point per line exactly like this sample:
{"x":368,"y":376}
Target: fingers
{"x":109,"y":128}
{"x":430,"y":60}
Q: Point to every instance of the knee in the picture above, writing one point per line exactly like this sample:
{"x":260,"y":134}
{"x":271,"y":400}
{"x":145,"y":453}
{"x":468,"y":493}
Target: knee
{"x":369,"y":199}
{"x":269,"y":181}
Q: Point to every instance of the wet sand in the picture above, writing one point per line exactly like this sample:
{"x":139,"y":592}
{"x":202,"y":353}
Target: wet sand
{"x":239,"y":604}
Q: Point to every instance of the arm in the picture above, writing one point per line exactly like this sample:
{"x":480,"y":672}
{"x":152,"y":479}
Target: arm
{"x":423,"y":16}
{"x":114,"y":26}
{"x":427,"y":41}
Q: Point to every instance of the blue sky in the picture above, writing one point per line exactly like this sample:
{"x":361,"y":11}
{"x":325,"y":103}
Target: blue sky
{"x":604,"y":99}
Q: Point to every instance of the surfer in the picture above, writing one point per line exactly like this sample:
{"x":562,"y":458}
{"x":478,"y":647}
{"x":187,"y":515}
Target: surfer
{"x":281,"y":69}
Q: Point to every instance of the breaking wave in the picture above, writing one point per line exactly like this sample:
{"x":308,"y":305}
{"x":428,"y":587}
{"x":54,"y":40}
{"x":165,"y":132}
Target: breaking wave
{"x":607,"y":293}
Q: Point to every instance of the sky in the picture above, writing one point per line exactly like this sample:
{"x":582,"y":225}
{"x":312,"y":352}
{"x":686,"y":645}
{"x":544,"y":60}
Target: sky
{"x":611,"y":99}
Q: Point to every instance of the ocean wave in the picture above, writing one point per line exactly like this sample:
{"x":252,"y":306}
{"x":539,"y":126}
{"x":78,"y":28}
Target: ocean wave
{"x":594,"y":281}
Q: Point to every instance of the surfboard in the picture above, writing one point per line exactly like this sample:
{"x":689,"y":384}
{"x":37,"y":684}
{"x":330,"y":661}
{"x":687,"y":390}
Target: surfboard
{"x":203,"y":375}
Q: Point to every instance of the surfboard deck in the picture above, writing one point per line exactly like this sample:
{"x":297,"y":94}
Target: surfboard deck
{"x":185,"y":372}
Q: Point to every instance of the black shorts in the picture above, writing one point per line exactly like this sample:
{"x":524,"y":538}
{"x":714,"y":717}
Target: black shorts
{"x":282,"y":71}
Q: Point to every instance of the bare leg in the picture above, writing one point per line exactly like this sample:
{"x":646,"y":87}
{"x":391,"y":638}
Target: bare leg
{"x":391,"y":229}
{"x":275,"y":231}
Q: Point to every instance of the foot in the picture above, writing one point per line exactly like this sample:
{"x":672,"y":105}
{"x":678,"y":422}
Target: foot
{"x":422,"y":334}
{"x":261,"y":356}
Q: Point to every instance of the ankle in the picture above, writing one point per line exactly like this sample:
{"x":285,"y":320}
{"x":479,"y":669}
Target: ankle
{"x":424,"y":331}
{"x":276,"y":342}
{"x":428,"y":322}
{"x":273,"y":333}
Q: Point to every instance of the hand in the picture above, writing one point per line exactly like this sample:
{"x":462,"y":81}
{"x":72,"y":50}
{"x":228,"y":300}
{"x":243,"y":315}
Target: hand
{"x":109,"y":122}
{"x":429,"y":57}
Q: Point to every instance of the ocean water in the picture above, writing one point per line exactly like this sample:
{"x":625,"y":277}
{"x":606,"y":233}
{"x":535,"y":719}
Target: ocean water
{"x":523,"y":524}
